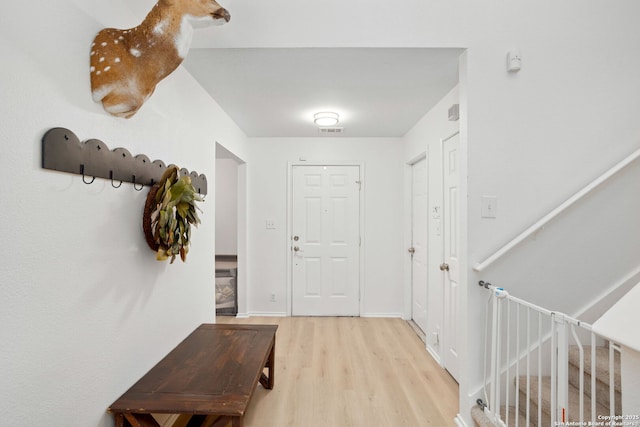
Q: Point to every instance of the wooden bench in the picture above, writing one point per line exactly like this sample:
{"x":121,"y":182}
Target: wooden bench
{"x":208,"y":379}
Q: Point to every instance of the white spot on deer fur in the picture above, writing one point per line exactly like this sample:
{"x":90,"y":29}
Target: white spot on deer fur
{"x":115,"y":41}
{"x":135,"y":52}
{"x":101,"y":59}
{"x":202,"y":21}
{"x":117,"y":60}
{"x":119,"y":109}
{"x":93,"y":52}
{"x":160,"y":27}
{"x":93,"y":69}
{"x":98,"y":73}
{"x":107,"y":68}
{"x":120,"y":38}
{"x":101,"y":92}
{"x":103,"y":43}
{"x":182,"y":39}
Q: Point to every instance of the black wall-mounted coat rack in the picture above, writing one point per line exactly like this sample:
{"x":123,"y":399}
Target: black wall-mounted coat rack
{"x":63,"y":151}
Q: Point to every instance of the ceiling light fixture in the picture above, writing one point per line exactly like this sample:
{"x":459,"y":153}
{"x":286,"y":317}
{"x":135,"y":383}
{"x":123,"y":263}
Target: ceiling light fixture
{"x":326,"y":118}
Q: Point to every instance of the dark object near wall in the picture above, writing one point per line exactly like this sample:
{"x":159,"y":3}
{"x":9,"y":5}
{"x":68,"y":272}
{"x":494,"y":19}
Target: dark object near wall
{"x":226,"y":285}
{"x":63,"y":151}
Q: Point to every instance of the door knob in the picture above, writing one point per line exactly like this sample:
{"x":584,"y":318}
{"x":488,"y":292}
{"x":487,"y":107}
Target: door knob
{"x":412,"y":250}
{"x":444,"y":267}
{"x":297,"y":249}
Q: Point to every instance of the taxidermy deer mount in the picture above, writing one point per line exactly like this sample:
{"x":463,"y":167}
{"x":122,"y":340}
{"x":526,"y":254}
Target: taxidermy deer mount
{"x":126,"y":65}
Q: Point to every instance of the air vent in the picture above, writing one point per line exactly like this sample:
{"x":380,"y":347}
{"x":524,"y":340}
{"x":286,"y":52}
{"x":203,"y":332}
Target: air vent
{"x":454,"y":113}
{"x":330,"y":130}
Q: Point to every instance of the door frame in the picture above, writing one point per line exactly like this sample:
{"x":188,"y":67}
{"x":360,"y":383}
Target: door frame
{"x":289,"y":253}
{"x":241,"y":237}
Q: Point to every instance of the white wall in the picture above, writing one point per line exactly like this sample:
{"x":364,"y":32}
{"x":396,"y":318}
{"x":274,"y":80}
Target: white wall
{"x":532,"y":138}
{"x":226,"y":207}
{"x":86,"y":308}
{"x":426,"y":138}
{"x":382,"y":240}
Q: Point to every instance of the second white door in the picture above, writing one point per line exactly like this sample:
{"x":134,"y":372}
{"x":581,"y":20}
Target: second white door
{"x":419,"y":256}
{"x":450,"y":266}
{"x":325,"y":241}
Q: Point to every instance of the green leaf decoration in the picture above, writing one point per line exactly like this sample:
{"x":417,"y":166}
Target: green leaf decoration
{"x":175,"y":211}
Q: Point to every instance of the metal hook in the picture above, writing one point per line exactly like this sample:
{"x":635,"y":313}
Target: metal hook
{"x":83,"y":176}
{"x":134,"y":184}
{"x":202,"y":196}
{"x":111,"y":176}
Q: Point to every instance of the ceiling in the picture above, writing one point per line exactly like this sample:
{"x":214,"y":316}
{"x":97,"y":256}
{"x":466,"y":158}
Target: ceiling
{"x":274,"y":92}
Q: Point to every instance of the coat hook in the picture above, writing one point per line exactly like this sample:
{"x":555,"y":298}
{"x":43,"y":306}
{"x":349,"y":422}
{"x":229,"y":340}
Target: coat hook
{"x":134,"y":184}
{"x":83,"y":176}
{"x":111,"y":176}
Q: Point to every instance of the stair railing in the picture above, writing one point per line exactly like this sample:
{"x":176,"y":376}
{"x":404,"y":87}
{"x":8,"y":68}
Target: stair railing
{"x":557,"y":211}
{"x":529,"y":352}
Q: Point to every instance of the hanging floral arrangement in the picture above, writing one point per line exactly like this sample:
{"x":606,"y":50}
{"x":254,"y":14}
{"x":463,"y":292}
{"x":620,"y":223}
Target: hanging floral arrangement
{"x":169,"y":212}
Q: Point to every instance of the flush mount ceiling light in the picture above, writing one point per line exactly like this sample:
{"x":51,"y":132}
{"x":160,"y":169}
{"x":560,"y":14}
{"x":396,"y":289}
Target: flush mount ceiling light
{"x":326,"y":118}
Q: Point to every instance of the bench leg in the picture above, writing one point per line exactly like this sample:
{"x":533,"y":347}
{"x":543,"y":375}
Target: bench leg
{"x":141,"y":420}
{"x":268,"y":381}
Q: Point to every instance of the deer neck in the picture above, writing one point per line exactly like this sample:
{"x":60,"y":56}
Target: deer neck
{"x":162,"y":29}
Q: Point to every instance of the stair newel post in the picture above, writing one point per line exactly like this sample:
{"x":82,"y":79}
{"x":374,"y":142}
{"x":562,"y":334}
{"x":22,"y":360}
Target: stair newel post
{"x":563,"y":368}
{"x":581,"y":379}
{"x":593,"y":373}
{"x":494,"y":404}
{"x":612,"y":387}
{"x":554,"y":369}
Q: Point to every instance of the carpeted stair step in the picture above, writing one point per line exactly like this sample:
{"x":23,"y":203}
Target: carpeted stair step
{"x":572,"y":411}
{"x":602,"y":374}
{"x":482,"y":420}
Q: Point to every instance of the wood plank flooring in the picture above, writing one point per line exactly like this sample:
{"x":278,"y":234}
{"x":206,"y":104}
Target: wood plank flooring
{"x":351,"y":372}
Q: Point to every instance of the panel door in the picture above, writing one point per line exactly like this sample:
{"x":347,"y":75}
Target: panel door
{"x":450,"y":267}
{"x":325,"y":243}
{"x":419,"y":255}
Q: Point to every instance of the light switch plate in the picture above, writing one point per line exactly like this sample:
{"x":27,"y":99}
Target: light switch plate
{"x":489,"y":206}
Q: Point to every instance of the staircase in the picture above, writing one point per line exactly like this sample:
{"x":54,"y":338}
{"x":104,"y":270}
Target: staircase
{"x":602,"y":393}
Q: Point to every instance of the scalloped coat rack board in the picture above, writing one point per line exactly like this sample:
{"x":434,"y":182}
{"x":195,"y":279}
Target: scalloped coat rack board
{"x":62,"y":151}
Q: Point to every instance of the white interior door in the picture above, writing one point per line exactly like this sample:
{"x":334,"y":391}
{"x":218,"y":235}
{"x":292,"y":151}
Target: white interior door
{"x":450,"y":266}
{"x":419,"y":255}
{"x":325,"y":242}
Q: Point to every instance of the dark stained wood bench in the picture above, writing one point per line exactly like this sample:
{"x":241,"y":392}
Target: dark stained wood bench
{"x":208,"y":379}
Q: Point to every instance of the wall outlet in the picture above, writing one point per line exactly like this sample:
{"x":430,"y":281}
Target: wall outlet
{"x":489,"y":206}
{"x":272,"y":297}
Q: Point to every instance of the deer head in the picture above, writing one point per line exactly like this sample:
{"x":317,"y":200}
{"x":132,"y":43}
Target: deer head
{"x":126,"y":65}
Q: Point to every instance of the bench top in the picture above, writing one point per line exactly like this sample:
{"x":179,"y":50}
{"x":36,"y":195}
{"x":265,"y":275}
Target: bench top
{"x":213,"y":371}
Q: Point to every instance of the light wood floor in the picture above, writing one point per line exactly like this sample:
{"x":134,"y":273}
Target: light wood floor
{"x":351,"y":372}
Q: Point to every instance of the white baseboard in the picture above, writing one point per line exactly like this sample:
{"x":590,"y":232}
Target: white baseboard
{"x":435,"y":356}
{"x":267,"y":314}
{"x":284,"y":314}
{"x":389,"y":315}
{"x":459,"y":421}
